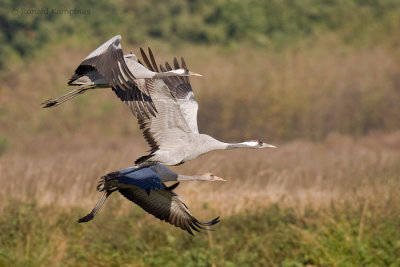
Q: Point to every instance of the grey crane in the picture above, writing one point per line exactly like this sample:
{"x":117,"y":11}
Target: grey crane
{"x":163,"y":102}
{"x":106,"y":67}
{"x":173,"y":134}
{"x":145,"y":187}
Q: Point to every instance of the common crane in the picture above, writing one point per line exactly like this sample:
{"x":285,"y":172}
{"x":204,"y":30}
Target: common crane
{"x":107,"y":66}
{"x":145,"y":187}
{"x":163,"y":102}
{"x":173,"y":134}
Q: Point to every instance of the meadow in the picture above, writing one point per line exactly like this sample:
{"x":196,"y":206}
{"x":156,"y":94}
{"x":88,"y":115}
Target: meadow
{"x":326,"y":201}
{"x":333,"y":203}
{"x":324,"y":91}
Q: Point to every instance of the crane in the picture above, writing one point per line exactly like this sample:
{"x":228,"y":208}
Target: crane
{"x":145,"y":187}
{"x":106,"y":67}
{"x":173,"y":134}
{"x":163,"y":102}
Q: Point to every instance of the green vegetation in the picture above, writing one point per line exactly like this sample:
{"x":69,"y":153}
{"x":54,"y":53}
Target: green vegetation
{"x":26,"y":28}
{"x":347,"y":235}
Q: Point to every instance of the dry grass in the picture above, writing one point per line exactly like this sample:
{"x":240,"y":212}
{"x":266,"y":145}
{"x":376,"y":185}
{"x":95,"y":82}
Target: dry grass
{"x":296,"y":174}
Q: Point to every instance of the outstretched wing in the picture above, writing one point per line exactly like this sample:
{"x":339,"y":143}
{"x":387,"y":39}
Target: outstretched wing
{"x":180,"y":88}
{"x":167,"y":206}
{"x":168,"y":130}
{"x":109,"y":61}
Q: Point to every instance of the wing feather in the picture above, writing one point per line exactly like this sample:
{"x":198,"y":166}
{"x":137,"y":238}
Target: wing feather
{"x":176,"y":107}
{"x":165,"y":205}
{"x":167,"y":130}
{"x":181,"y":89}
{"x":153,"y":61}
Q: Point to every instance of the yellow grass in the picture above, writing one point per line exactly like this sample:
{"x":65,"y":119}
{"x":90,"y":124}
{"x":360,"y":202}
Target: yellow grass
{"x":295,"y":174}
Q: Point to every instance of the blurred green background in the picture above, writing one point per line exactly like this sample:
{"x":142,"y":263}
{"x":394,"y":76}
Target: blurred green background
{"x":318,"y":78}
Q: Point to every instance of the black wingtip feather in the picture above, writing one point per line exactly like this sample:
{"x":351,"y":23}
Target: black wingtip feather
{"x":153,"y":61}
{"x":183,"y":63}
{"x":210,"y":223}
{"x":168,"y":66}
{"x":176,"y":63}
{"x":145,"y":59}
{"x":199,"y":226}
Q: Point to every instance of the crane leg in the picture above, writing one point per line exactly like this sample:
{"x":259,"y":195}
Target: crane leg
{"x":52,"y":102}
{"x":96,"y":208}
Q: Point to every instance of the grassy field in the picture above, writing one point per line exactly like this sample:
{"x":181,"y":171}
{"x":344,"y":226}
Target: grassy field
{"x":328,"y":196}
{"x":332,"y":203}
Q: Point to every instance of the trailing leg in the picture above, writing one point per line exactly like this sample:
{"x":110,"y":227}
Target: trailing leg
{"x":52,"y":102}
{"x":96,"y":208}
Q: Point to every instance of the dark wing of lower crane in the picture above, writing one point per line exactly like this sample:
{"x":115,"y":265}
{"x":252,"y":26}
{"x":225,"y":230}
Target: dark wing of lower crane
{"x":167,"y":206}
{"x":180,"y":88}
{"x":109,"y":61}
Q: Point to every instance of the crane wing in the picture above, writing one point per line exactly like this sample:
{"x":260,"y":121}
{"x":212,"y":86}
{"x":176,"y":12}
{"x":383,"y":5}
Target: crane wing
{"x":169,"y":129}
{"x":166,"y":205}
{"x":109,"y":61}
{"x":180,"y":88}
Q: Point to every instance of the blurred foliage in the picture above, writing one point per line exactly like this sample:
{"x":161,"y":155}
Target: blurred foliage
{"x":4,"y":143}
{"x":29,"y":26}
{"x":341,"y":235}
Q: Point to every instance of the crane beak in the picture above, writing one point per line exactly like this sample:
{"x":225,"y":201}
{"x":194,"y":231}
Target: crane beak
{"x":216,"y":178}
{"x":264,"y":145}
{"x":194,"y":74}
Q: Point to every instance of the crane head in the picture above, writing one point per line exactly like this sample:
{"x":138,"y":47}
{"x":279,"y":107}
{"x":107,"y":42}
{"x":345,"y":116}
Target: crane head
{"x":256,"y":144}
{"x":185,"y":72}
{"x":261,"y":144}
{"x":212,"y":177}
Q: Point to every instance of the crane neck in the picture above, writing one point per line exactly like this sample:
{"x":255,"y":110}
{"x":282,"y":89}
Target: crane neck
{"x":191,"y":178}
{"x":166,"y":74}
{"x":237,"y":145}
{"x":210,"y":143}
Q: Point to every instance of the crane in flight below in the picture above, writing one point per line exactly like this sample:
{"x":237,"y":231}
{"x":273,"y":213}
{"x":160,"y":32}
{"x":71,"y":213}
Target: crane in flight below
{"x":145,"y":187}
